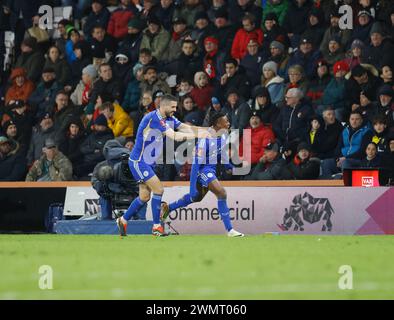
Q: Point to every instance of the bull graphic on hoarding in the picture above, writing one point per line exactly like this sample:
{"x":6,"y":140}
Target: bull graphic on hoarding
{"x":307,"y":208}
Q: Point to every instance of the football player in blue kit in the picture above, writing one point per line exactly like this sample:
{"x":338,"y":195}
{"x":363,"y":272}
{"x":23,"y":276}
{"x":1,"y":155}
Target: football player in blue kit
{"x":203,"y":177}
{"x":147,"y":149}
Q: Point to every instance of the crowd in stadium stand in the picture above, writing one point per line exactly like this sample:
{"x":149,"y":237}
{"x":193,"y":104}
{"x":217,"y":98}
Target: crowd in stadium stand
{"x":316,"y":97}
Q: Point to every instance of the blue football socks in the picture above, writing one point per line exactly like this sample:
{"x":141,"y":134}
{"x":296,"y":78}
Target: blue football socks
{"x":156,"y":206}
{"x":225,"y":213}
{"x":134,"y":207}
{"x":182,"y":202}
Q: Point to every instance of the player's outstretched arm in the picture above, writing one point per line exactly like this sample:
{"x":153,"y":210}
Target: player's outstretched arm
{"x":186,"y":128}
{"x":182,"y":136}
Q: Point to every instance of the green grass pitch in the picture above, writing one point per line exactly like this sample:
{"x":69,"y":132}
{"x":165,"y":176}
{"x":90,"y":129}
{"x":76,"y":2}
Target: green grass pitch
{"x":196,"y":267}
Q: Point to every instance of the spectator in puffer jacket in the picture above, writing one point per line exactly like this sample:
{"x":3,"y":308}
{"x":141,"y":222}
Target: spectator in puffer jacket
{"x":118,"y":120}
{"x":155,"y":38}
{"x":12,"y":161}
{"x":252,"y":62}
{"x":117,"y":25}
{"x":244,"y":35}
{"x":319,"y":82}
{"x":334,"y":93}
{"x":278,"y":7}
{"x":30,"y":59}
{"x":302,"y":166}
{"x":292,"y":122}
{"x":202,"y":91}
{"x":348,"y":147}
{"x":274,"y":83}
{"x":21,"y":87}
{"x":306,"y":56}
{"x":261,"y":135}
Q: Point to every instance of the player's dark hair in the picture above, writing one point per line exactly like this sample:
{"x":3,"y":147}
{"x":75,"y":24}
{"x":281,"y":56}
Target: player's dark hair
{"x":215,"y":118}
{"x":168,"y":98}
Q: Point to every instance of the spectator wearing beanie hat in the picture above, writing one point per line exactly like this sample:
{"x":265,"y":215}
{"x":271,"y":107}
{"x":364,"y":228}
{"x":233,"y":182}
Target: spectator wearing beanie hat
{"x":316,"y":26}
{"x":306,"y":56}
{"x":244,"y":35}
{"x":43,"y":130}
{"x":132,"y":42}
{"x":73,"y":36}
{"x":279,"y":8}
{"x":12,"y":161}
{"x":52,"y":165}
{"x":21,"y":87}
{"x":225,"y":30}
{"x":81,"y":94}
{"x":279,"y":54}
{"x":202,"y":29}
{"x":357,"y":52}
{"x":133,"y":92}
{"x":380,"y":51}
{"x":30,"y":59}
{"x":262,"y":104}
{"x":252,"y":62}
{"x":334,"y":93}
{"x":213,"y":60}
{"x":23,"y":118}
{"x":43,"y":96}
{"x":362,"y":27}
{"x":335,"y":51}
{"x":155,"y":37}
{"x":273,"y":32}
{"x":179,"y":34}
{"x":10,"y":130}
{"x":335,"y":30}
{"x":273,"y":82}
{"x":302,"y":166}
{"x":122,"y":68}
{"x":384,"y":105}
{"x":83,"y":52}
{"x":319,"y":82}
{"x":261,"y":135}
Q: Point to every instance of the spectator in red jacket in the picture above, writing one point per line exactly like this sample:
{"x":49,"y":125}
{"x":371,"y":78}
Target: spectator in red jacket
{"x":260,"y":136}
{"x":244,"y":35}
{"x":202,"y":91}
{"x":117,"y":26}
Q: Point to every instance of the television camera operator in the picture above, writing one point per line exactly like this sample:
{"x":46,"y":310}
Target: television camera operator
{"x":113,"y":181}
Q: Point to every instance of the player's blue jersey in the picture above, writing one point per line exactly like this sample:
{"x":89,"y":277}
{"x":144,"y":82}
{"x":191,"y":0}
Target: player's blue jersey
{"x":210,"y":152}
{"x":149,"y":140}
